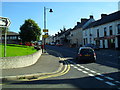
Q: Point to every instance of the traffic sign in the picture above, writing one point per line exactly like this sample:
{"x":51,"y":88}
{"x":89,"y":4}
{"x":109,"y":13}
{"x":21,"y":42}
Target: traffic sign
{"x":4,"y":22}
{"x":45,"y":36}
{"x":45,"y":30}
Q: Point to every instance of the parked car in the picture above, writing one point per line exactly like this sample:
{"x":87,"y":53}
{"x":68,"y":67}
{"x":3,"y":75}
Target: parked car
{"x":59,"y":44}
{"x":86,"y":54}
{"x":52,"y":43}
{"x":93,"y":46}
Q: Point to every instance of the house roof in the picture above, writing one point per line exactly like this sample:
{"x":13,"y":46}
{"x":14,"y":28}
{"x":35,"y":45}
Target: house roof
{"x":11,"y":33}
{"x":79,"y":25}
{"x":108,"y":18}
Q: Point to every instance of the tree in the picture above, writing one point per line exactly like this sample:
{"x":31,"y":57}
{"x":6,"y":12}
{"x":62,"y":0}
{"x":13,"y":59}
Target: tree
{"x":30,"y":31}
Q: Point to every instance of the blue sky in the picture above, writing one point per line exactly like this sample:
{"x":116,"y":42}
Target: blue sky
{"x":65,"y":14}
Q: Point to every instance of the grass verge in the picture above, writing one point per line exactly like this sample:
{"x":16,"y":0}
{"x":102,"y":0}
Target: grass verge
{"x":16,"y":50}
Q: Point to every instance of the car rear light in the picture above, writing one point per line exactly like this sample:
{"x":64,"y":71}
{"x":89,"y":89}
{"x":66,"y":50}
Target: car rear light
{"x":80,"y":55}
{"x":94,"y":54}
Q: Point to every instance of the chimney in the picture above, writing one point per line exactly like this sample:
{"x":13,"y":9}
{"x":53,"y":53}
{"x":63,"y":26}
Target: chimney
{"x":103,"y":15}
{"x":91,"y":16}
{"x":78,"y":23}
{"x":83,"y":20}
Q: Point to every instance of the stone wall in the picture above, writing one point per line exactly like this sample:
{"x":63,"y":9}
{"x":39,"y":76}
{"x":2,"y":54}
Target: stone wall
{"x":20,"y":61}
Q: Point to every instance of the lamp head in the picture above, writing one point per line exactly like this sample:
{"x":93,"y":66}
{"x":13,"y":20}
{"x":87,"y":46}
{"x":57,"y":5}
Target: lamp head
{"x":51,"y":10}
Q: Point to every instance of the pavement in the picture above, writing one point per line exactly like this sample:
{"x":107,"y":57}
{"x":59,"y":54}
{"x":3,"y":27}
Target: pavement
{"x":47,"y":63}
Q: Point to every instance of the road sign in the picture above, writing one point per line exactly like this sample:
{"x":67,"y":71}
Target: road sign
{"x":4,"y":22}
{"x":45,"y":36}
{"x":45,"y":30}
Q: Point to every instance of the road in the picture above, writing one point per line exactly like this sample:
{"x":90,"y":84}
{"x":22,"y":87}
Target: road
{"x":102,"y":74}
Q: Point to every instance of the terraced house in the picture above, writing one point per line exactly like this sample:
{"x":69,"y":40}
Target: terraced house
{"x":104,"y":32}
{"x":76,"y":38}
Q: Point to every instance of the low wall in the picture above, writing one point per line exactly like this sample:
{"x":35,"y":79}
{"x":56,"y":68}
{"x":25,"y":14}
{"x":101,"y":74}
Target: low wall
{"x":20,"y":61}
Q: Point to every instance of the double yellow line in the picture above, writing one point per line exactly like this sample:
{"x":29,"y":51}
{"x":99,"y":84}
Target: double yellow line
{"x":63,"y":69}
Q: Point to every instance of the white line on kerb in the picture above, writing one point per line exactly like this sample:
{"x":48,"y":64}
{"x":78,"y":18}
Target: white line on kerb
{"x":112,"y":84}
{"x":99,"y":78}
{"x":109,"y":78}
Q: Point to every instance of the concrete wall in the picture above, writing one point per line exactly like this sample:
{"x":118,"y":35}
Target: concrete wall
{"x":20,"y":61}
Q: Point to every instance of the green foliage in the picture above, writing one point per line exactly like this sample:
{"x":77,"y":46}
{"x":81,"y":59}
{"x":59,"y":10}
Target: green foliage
{"x":16,"y":50}
{"x":30,"y":31}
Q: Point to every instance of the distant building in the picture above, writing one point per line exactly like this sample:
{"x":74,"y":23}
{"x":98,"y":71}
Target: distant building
{"x":12,"y":38}
{"x":49,"y":40}
{"x":104,"y":32}
{"x":76,"y":32}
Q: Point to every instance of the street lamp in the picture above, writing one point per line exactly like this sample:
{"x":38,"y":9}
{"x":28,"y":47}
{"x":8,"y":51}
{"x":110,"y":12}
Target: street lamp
{"x":45,"y":31}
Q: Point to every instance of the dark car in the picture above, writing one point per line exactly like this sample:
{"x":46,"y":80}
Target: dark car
{"x":86,"y":54}
{"x":93,"y":46}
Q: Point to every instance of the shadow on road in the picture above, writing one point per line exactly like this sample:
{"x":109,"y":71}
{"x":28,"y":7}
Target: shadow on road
{"x":82,"y":83}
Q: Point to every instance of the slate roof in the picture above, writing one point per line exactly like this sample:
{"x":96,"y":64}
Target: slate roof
{"x":11,"y":33}
{"x":109,"y":18}
{"x":79,"y":25}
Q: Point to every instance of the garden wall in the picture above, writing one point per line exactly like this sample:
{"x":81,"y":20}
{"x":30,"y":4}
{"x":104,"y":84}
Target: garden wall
{"x":20,"y":61}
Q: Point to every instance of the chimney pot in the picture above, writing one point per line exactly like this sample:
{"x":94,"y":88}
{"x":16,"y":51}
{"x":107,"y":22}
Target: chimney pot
{"x":91,"y":16}
{"x":103,"y":15}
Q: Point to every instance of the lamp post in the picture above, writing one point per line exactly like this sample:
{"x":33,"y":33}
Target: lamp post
{"x":45,"y":32}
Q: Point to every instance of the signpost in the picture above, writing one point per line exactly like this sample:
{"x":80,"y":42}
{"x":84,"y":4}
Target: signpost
{"x":45,"y":36}
{"x":45,"y":30}
{"x":4,"y":23}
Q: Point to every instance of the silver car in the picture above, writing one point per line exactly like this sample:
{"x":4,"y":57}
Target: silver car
{"x":86,"y":54}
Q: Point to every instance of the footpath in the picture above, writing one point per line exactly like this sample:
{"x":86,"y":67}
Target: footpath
{"x":47,"y":63}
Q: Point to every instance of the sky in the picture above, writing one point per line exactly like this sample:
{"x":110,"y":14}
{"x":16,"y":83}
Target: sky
{"x":65,"y":14}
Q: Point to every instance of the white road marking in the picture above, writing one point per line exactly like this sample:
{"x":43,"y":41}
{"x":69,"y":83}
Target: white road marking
{"x":86,"y":68}
{"x":71,"y":65}
{"x":75,"y":67}
{"x":100,"y":74}
{"x":84,"y":72}
{"x":82,"y":66}
{"x":79,"y":69}
{"x":92,"y":71}
{"x":78,"y":65}
{"x":109,"y":78}
{"x":99,"y":78}
{"x":117,"y":81}
{"x":112,"y":84}
{"x":90,"y":74}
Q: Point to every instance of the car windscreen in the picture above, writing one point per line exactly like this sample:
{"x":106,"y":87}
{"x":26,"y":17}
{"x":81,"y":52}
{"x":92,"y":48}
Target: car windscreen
{"x":86,"y":51}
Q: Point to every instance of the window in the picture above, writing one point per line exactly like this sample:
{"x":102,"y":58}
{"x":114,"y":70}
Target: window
{"x":105,"y":32}
{"x":118,"y":28}
{"x":97,"y":32}
{"x":110,"y":28}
